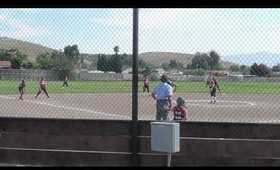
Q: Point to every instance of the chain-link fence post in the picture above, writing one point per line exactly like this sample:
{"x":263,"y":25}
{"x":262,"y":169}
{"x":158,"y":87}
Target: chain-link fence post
{"x":135,"y":142}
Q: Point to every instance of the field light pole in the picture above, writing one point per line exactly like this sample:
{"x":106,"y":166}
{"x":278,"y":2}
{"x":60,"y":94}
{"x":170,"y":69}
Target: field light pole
{"x":134,"y":132}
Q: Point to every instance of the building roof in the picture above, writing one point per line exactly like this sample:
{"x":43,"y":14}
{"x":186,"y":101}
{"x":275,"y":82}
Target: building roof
{"x":5,"y":63}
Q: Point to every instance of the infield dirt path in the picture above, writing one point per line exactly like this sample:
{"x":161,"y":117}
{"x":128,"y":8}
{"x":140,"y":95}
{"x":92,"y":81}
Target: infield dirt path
{"x":229,"y":107}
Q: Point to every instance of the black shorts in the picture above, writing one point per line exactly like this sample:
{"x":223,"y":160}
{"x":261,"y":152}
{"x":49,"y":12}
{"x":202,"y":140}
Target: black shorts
{"x":213,"y":92}
{"x":42,"y":87}
{"x":20,"y":89}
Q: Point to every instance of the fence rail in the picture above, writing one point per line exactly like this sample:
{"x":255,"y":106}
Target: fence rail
{"x":34,"y":74}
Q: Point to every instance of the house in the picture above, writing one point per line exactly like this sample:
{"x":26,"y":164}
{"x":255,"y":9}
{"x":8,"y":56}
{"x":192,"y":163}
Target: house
{"x":127,"y":71}
{"x":5,"y":64}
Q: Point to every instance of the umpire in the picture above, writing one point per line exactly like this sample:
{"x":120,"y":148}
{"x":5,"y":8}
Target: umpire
{"x":162,"y":94}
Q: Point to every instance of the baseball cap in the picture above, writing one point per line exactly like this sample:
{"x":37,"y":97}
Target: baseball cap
{"x":164,"y":78}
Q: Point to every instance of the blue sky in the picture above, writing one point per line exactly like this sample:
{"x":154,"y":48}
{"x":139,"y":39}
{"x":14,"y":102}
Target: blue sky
{"x":228,"y":31}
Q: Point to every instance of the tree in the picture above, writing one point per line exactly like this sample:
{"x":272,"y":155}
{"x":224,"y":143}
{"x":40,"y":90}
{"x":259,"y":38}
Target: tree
{"x":4,"y":55}
{"x":242,"y":67}
{"x":126,"y":60}
{"x":219,"y":66}
{"x":116,"y":50}
{"x":200,"y":60}
{"x":45,"y":61}
{"x":245,"y":69}
{"x":214,"y":59}
{"x":27,"y":64}
{"x":234,"y":68}
{"x":147,"y":70}
{"x":254,"y":69}
{"x":14,"y":56}
{"x":101,"y":62}
{"x":72,"y":53}
{"x":56,"y":61}
{"x":117,"y":63}
{"x":206,"y":61}
{"x":165,"y":66}
{"x":276,"y":68}
{"x":141,"y":63}
{"x":264,"y":70}
{"x":173,"y":64}
{"x":260,"y":70}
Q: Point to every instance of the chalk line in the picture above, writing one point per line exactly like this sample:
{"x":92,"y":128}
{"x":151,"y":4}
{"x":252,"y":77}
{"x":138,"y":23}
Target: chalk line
{"x":200,"y":103}
{"x":67,"y":107}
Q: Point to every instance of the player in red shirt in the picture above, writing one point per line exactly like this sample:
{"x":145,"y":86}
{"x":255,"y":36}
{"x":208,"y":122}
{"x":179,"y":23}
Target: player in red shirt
{"x":146,"y":85}
{"x":42,"y":86}
{"x":180,"y":110}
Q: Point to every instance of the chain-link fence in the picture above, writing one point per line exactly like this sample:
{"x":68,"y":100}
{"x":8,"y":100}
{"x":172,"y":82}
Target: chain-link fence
{"x":77,"y":64}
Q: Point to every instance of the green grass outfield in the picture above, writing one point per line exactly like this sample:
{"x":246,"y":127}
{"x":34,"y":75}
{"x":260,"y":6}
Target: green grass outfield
{"x":11,"y":87}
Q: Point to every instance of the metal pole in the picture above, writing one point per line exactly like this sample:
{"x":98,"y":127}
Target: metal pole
{"x":168,"y":159}
{"x":134,"y":139}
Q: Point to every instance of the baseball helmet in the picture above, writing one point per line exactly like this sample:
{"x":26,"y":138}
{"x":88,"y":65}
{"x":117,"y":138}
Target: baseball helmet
{"x":181,"y":101}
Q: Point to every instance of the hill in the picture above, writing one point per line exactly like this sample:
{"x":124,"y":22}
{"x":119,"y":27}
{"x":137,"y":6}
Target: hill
{"x":32,"y":50}
{"x":157,"y":58}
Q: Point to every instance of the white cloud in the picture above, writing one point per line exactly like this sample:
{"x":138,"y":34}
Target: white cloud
{"x":113,"y":17}
{"x":19,"y":29}
{"x":168,"y":29}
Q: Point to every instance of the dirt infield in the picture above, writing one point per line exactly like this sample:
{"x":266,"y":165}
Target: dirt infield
{"x":229,"y":107}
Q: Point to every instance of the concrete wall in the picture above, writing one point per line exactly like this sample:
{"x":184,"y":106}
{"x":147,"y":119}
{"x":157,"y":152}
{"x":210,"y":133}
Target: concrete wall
{"x":58,"y":142}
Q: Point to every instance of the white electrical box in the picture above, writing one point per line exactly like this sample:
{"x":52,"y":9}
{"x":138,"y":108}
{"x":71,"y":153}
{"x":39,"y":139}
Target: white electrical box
{"x":165,"y":137}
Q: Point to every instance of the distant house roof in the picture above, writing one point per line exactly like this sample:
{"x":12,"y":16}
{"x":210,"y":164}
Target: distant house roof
{"x":127,"y":71}
{"x":95,"y":71}
{"x":5,"y":64}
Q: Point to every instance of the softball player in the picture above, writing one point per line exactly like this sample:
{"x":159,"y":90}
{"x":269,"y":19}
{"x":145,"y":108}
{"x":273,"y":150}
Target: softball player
{"x":42,"y":87}
{"x":65,"y":82}
{"x":146,"y":85}
{"x":21,"y":89}
{"x":213,"y":86}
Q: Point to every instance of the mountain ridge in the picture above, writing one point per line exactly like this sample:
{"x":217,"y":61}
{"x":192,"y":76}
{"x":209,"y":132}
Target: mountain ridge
{"x":32,"y":50}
